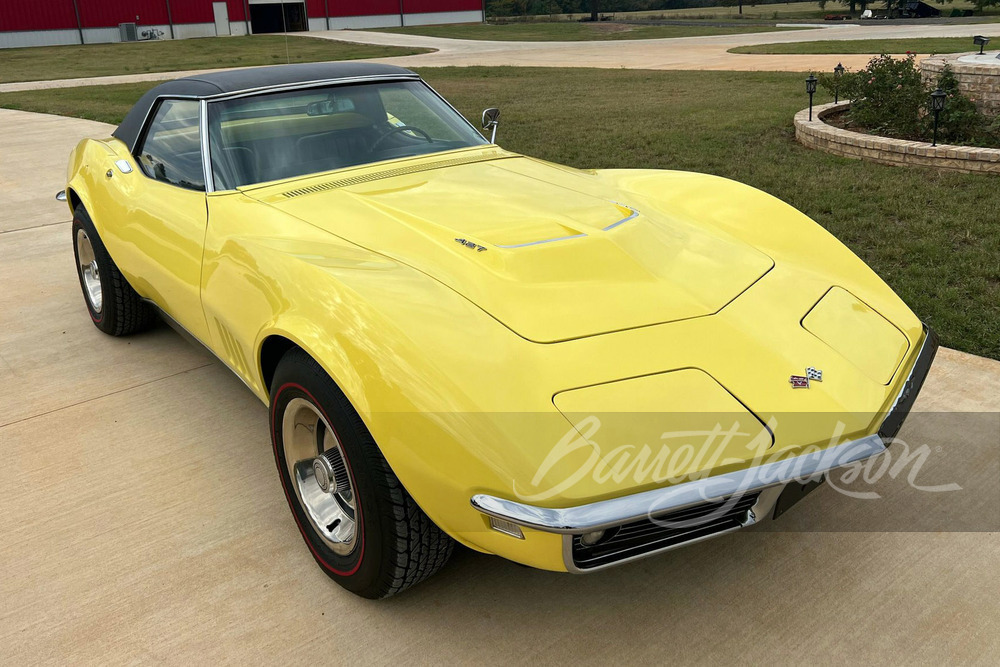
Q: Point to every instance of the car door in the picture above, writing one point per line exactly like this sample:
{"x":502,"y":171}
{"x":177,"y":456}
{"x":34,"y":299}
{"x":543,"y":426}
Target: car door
{"x":157,"y":233}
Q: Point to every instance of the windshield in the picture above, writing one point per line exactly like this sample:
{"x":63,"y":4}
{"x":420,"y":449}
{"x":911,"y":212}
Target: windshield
{"x":273,"y":136}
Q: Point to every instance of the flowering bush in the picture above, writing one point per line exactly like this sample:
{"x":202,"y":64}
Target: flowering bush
{"x":888,"y":98}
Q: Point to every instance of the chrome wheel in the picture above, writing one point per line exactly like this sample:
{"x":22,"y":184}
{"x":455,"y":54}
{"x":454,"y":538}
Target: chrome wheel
{"x":88,"y":269}
{"x":318,"y":471}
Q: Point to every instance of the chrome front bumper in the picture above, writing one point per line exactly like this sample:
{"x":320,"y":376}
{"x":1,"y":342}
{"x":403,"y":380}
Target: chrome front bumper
{"x":768,"y":480}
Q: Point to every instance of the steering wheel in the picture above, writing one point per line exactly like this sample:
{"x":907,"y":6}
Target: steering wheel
{"x":401,"y":128}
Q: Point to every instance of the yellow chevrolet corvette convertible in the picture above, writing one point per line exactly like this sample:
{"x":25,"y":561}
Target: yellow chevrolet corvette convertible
{"x":568,"y":368}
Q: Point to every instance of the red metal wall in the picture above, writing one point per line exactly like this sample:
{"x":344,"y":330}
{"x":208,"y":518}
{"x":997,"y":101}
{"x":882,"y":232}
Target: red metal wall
{"x":422,"y":6}
{"x":193,"y":11}
{"x":315,"y":9}
{"x":382,"y":7}
{"x":53,"y":15}
{"x":108,"y":13}
{"x":237,"y":10}
{"x":59,"y":14}
{"x":355,"y":8}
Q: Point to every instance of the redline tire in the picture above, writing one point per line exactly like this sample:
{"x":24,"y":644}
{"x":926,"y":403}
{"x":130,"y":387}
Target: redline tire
{"x":396,"y":545}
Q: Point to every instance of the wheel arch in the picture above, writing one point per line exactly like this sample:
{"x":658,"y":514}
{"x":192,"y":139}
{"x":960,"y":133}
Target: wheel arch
{"x":275,"y":344}
{"x":78,"y":194}
{"x":272,"y":349}
{"x":74,"y":200}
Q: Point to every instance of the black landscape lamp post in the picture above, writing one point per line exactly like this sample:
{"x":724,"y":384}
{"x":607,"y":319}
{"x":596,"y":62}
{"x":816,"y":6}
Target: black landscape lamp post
{"x":937,"y":106}
{"x":838,"y":72}
{"x":811,"y":88}
{"x":981,"y":42}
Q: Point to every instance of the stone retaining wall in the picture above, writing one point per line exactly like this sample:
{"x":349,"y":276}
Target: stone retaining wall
{"x":821,"y":136}
{"x":979,"y":82}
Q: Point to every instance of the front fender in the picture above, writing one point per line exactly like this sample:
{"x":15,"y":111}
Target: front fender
{"x":437,"y":381}
{"x":85,"y":177}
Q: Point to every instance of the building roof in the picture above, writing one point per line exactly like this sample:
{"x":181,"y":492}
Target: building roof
{"x":245,"y":79}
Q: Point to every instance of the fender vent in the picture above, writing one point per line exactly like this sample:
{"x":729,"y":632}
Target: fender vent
{"x":234,"y":351}
{"x":389,"y":173}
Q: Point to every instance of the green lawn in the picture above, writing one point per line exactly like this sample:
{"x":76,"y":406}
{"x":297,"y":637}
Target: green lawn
{"x":565,"y":31}
{"x":921,"y":46}
{"x":67,"y":62}
{"x":933,"y":236}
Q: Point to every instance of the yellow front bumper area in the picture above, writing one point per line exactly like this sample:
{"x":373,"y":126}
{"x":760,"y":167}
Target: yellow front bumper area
{"x":642,"y":513}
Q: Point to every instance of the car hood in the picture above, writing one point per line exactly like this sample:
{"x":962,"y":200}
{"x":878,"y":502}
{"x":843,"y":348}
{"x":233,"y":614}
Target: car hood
{"x":533,"y":244}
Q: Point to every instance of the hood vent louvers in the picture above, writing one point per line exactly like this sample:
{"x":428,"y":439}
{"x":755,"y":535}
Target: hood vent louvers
{"x":389,"y":173}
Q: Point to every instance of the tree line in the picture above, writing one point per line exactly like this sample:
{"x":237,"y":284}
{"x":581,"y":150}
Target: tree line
{"x":597,"y":7}
{"x":541,"y":7}
{"x":889,"y":5}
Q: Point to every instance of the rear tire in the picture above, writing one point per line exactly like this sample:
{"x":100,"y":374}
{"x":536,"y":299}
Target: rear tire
{"x":364,"y":530}
{"x":113,"y":305}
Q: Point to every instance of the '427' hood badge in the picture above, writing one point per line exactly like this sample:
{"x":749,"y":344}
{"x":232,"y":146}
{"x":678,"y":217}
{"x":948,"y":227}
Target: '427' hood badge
{"x":802,"y":381}
{"x":471,"y":244}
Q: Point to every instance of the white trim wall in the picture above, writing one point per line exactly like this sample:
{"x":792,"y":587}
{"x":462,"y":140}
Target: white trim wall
{"x":393,"y":20}
{"x":187,"y":30}
{"x":105,"y":35}
{"x":362,"y":22}
{"x":9,"y":40}
{"x":436,"y":18}
{"x":24,"y":38}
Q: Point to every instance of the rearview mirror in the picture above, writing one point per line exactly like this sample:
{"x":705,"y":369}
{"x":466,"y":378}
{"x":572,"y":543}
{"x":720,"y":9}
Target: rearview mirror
{"x":491,"y":118}
{"x":322,"y":108}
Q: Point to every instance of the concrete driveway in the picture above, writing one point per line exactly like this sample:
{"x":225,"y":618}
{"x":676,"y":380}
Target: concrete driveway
{"x":142,"y":519}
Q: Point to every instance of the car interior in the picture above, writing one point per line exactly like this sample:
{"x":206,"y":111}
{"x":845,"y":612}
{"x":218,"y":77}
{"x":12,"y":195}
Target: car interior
{"x":271,"y":137}
{"x":170,"y":150}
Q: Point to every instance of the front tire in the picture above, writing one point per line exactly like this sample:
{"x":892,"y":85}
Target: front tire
{"x":362,"y":527}
{"x":113,"y":305}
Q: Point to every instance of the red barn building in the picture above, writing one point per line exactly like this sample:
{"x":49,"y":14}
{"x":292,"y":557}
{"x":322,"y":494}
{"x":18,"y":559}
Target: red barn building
{"x":46,"y":22}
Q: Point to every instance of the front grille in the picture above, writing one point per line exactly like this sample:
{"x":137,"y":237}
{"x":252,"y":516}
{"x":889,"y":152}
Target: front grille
{"x":643,"y":537}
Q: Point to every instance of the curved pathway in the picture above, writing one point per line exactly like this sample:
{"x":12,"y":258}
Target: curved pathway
{"x":676,"y":53}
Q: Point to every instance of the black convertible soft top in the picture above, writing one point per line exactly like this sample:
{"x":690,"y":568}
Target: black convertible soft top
{"x":239,"y":80}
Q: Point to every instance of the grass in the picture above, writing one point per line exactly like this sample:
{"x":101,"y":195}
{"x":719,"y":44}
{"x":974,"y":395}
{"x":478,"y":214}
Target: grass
{"x":66,"y":62}
{"x":565,"y":31}
{"x":107,"y":104}
{"x":917,"y":45}
{"x":932,"y":236}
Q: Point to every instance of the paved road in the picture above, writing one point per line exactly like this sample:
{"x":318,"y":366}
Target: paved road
{"x":142,"y":519}
{"x":681,"y":53}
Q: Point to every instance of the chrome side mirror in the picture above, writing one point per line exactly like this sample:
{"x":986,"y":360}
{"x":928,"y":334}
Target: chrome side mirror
{"x":491,"y":118}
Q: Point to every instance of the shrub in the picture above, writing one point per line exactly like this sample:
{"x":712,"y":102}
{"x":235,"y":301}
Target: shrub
{"x":959,"y":122}
{"x":888,"y":98}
